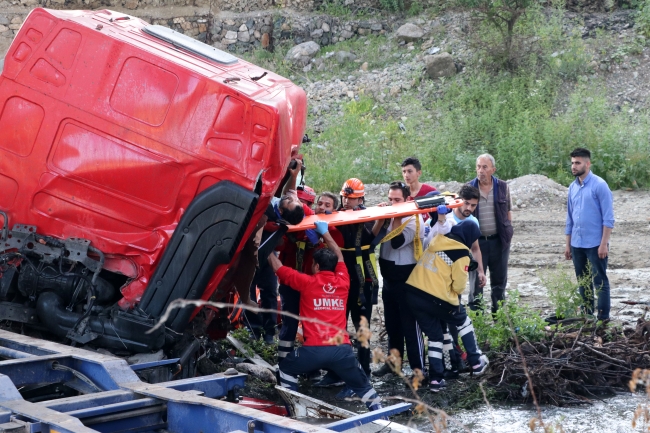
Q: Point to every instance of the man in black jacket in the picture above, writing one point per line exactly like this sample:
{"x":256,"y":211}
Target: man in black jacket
{"x":494,"y":213}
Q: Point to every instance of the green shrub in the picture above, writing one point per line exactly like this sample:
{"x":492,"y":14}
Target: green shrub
{"x":642,"y":19}
{"x":563,"y":291}
{"x":392,"y":5}
{"x":497,"y":333}
{"x":336,"y":8}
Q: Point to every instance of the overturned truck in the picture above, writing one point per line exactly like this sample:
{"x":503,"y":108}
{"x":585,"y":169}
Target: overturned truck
{"x":135,"y":163}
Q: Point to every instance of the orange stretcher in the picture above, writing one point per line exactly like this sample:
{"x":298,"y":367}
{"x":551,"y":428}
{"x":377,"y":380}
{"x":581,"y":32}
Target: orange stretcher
{"x":370,"y":214}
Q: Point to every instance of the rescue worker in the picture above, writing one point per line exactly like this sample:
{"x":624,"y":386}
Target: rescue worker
{"x":296,"y":251}
{"x":432,"y":295}
{"x":327,"y":203}
{"x":360,"y":261}
{"x":281,"y":211}
{"x":323,"y":297}
{"x":399,"y":252}
{"x":307,"y":195}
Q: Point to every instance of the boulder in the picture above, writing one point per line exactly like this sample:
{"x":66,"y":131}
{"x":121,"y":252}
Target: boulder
{"x":260,"y":372}
{"x":440,"y":65}
{"x":303,"y":53}
{"x":266,"y":40}
{"x":345,"y":57}
{"x":409,"y":33}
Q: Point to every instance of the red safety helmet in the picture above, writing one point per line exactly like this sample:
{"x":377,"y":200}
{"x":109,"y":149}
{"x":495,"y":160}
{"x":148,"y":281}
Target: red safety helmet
{"x":307,"y":194}
{"x":353,"y":188}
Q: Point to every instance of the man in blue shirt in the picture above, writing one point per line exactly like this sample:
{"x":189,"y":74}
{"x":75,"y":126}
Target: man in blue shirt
{"x":589,"y":224}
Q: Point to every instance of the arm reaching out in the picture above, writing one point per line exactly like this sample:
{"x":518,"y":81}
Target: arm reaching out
{"x":274,"y":262}
{"x":329,"y":241}
{"x":293,"y":177}
{"x":323,"y":230}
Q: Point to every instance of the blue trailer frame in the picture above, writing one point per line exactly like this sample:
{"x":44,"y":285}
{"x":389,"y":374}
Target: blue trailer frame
{"x":114,"y":400}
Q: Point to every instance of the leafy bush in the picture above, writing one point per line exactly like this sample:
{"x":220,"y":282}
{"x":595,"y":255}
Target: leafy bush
{"x":642,"y":19}
{"x":335,"y":8}
{"x":392,"y":5}
{"x":503,"y":17}
{"x":496,"y":334}
{"x":563,"y":291}
{"x":268,"y":352}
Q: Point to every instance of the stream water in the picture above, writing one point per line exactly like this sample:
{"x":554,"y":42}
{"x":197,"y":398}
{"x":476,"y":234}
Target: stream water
{"x":611,"y":415}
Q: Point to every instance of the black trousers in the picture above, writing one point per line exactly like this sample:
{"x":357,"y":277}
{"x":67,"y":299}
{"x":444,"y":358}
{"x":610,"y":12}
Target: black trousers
{"x":432,"y":313}
{"x":338,"y":359}
{"x":291,"y":303}
{"x":401,"y":324}
{"x":357,"y":307}
{"x":267,"y":281}
{"x":495,"y":258}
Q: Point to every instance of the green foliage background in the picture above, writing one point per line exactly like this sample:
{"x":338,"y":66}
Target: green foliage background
{"x":529,"y":119}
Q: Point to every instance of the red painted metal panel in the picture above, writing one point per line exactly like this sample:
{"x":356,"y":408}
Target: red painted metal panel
{"x":153,"y":127}
{"x":20,"y":121}
{"x":124,"y":142}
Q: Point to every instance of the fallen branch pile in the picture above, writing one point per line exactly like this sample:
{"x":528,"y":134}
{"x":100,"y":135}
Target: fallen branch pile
{"x":576,"y":362}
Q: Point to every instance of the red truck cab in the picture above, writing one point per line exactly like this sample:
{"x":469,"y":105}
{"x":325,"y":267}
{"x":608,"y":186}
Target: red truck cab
{"x":134,"y":163}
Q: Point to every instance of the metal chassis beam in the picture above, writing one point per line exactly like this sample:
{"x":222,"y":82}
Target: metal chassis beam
{"x":125,"y":404}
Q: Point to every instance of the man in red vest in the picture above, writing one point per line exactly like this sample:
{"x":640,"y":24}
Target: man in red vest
{"x":323,"y":296}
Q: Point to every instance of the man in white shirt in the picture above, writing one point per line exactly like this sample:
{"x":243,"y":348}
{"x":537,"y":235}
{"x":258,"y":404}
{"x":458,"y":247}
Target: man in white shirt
{"x":396,"y":261}
{"x":470,"y":197}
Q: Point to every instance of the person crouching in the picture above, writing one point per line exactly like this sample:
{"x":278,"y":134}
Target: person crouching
{"x":432,"y":294}
{"x":323,"y":296}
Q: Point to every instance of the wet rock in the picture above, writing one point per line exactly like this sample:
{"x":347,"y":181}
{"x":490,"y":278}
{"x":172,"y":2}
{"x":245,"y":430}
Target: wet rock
{"x":440,"y":65}
{"x":409,"y":33}
{"x":303,"y":53}
{"x":261,"y":373}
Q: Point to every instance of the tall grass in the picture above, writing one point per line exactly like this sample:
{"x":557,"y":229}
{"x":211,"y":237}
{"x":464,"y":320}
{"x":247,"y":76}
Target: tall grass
{"x":524,"y":120}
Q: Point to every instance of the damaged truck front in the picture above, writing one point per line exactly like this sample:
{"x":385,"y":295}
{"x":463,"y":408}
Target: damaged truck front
{"x":135,"y":163}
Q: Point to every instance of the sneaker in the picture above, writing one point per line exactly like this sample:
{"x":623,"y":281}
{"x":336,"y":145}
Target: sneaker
{"x":436,"y":386}
{"x":345,"y":393}
{"x":375,"y":406}
{"x":451,"y":374}
{"x":329,"y":381}
{"x":481,"y":367}
{"x":383,"y":371}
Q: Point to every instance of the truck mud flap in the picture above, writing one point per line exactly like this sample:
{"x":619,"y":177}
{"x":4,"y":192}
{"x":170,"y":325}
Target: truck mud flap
{"x":207,"y":236}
